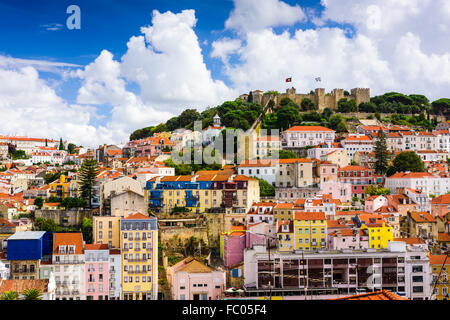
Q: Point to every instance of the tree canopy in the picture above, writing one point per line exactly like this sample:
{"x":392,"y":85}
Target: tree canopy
{"x":406,"y":161}
{"x":265,"y":188}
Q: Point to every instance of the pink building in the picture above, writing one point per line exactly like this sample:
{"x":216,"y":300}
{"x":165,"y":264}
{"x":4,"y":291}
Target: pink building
{"x":328,"y":172}
{"x":97,"y":271}
{"x":373,"y":203}
{"x":348,"y":238}
{"x":190,"y":279}
{"x":337,"y":190}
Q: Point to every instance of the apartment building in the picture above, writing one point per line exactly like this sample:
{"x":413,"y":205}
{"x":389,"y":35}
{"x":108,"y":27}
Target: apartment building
{"x":139,"y":250}
{"x":303,"y":136}
{"x":69,"y":266}
{"x":328,"y":274}
{"x":97,"y":271}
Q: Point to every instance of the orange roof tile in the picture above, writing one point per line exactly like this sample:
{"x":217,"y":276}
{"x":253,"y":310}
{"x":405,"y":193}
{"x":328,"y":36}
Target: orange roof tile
{"x":309,"y":216}
{"x":309,"y":128}
{"x":68,"y":239}
{"x":377,"y":295}
{"x":137,"y":215}
{"x":20,"y":286}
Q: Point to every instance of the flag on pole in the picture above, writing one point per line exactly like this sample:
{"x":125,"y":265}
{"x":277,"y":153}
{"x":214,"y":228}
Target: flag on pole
{"x":318,"y":79}
{"x":288,"y":79}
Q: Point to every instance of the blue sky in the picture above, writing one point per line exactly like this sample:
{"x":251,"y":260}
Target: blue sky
{"x":107,"y":24}
{"x":235,"y":46}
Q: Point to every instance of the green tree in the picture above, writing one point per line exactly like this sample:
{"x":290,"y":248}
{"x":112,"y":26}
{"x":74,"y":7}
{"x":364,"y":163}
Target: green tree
{"x":381,"y":153}
{"x":441,"y":106}
{"x":61,"y":144}
{"x":286,"y":154}
{"x":377,"y":191}
{"x":265,"y":188}
{"x":49,"y":225}
{"x":9,"y":295}
{"x":287,"y":116}
{"x":346,"y":106}
{"x":32,"y":294}
{"x":71,"y":202}
{"x":38,"y":202}
{"x":250,"y":97}
{"x":337,"y":123}
{"x":19,"y":154}
{"x":71,"y":148}
{"x":87,"y":174}
{"x":307,"y":104}
{"x":408,"y":161}
{"x":187,"y":117}
{"x":86,"y":229}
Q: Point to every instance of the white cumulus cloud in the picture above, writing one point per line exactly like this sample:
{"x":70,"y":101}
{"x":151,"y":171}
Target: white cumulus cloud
{"x":251,"y":15}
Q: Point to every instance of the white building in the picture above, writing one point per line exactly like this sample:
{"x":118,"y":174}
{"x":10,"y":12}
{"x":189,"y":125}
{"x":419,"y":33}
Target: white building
{"x":262,"y":169}
{"x":41,"y":157}
{"x":69,"y":266}
{"x":303,"y":136}
{"x":421,"y":199}
{"x":442,"y":139}
{"x":357,"y":143}
{"x":115,"y":272}
{"x":423,"y":181}
{"x":211,"y":132}
{"x":260,"y":212}
{"x":146,"y":173}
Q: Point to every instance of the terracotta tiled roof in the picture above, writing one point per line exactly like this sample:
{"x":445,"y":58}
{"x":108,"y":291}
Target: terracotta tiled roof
{"x":137,"y":215}
{"x":411,"y":175}
{"x":410,"y":241}
{"x":377,"y":295}
{"x":421,"y":217}
{"x":309,"y":216}
{"x":442,"y":199}
{"x":191,"y":265}
{"x":72,"y":239}
{"x":439,"y":259}
{"x":309,"y":128}
{"x":96,"y":247}
{"x":22,"y":285}
{"x":284,"y":206}
{"x":443,"y":237}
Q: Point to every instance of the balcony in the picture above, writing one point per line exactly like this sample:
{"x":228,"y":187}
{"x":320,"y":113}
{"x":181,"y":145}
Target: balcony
{"x":137,"y":259}
{"x":137,"y":271}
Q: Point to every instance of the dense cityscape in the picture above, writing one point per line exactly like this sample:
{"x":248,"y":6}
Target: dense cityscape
{"x":338,"y":209}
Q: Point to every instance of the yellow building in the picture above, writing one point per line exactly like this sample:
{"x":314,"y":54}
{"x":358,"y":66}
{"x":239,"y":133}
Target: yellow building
{"x":139,"y":256}
{"x":106,"y":230}
{"x":380,"y":234}
{"x":283,"y":212}
{"x":60,"y":188}
{"x":285,"y":236}
{"x":440,"y":267}
{"x":310,"y":230}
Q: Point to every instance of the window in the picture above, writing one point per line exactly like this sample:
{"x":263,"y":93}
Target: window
{"x":417,"y":278}
{"x":417,"y":269}
{"x":417,"y":289}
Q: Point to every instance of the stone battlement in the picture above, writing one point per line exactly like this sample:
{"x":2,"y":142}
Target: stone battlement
{"x":320,"y":98}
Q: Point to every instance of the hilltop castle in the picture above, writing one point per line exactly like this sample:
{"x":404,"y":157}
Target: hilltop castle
{"x":320,"y":98}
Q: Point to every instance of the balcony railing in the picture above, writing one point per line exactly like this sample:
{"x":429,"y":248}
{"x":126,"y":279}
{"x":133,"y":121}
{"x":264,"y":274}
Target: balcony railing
{"x":136,"y":259}
{"x":137,"y":271}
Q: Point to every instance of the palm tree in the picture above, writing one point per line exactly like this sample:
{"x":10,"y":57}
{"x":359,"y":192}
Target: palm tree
{"x":9,"y":295}
{"x":32,"y":294}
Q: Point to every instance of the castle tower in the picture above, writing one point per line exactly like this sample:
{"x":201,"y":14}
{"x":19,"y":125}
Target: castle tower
{"x":338,"y":94}
{"x":361,"y":95}
{"x":320,"y":98}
